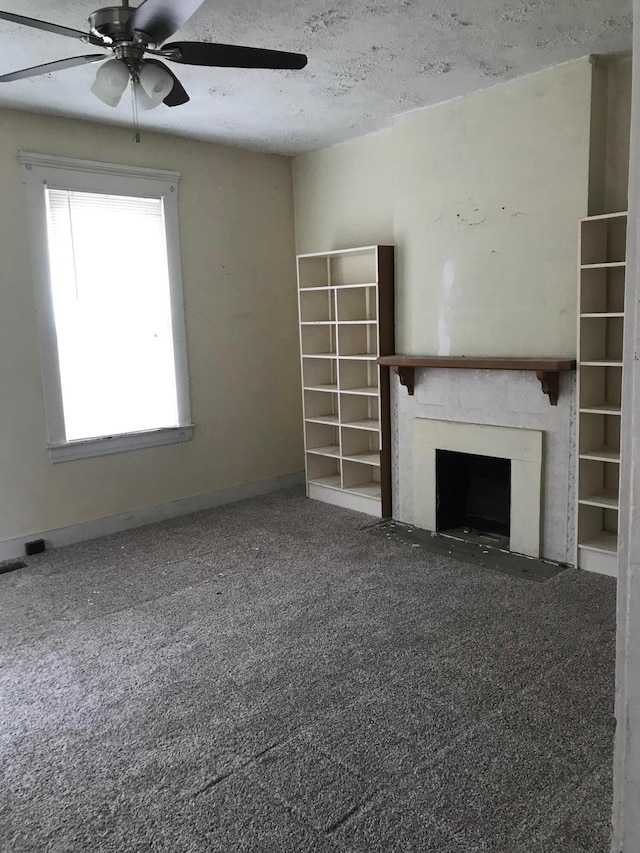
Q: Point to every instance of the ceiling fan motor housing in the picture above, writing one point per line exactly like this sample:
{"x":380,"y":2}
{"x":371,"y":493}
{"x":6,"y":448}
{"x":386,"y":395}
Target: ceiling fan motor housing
{"x":112,"y":23}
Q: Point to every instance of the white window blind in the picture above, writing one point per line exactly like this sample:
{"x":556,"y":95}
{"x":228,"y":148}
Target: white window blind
{"x":112,"y":307}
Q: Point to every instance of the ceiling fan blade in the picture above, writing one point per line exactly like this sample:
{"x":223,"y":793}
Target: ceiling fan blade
{"x":50,"y":28}
{"x":160,"y":19}
{"x":177,"y":95}
{"x":48,"y":67}
{"x":231,"y":56}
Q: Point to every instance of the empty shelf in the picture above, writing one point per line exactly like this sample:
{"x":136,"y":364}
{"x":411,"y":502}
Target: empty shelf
{"x":324,"y":419}
{"x":603,"y":362}
{"x":370,"y":457}
{"x":369,"y":490}
{"x":358,"y":284}
{"x":327,"y":450}
{"x":321,"y":387}
{"x":330,"y":482}
{"x":604,"y":315}
{"x":604,"y":541}
{"x":602,"y":409}
{"x":605,"y":498}
{"x":601,"y":454}
{"x":368,"y":423}
{"x":367,"y":390}
{"x":359,"y":356}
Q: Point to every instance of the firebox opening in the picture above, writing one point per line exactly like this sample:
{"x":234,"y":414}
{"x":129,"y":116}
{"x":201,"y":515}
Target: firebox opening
{"x":473,"y":492}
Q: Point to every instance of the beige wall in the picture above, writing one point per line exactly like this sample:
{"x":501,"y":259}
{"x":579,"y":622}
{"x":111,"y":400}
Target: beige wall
{"x":344,"y":195}
{"x":489,"y":189}
{"x":481,"y":196}
{"x":238,"y":261}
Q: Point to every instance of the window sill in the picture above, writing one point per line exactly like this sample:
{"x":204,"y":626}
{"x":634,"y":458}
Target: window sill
{"x":105,"y":445}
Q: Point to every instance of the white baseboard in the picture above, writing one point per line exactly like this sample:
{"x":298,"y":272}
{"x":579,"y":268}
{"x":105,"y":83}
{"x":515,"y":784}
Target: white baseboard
{"x":11,"y":549}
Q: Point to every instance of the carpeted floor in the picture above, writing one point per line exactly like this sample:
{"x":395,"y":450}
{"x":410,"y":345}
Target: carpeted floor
{"x":269,"y":676}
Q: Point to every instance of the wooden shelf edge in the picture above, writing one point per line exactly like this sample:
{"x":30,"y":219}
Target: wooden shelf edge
{"x":547,"y":370}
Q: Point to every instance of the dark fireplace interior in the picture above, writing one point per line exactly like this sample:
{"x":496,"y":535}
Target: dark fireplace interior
{"x":473,"y":492}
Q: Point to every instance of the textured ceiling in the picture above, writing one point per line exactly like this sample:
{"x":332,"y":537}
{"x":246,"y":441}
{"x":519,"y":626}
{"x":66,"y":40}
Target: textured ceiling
{"x":368,"y":61}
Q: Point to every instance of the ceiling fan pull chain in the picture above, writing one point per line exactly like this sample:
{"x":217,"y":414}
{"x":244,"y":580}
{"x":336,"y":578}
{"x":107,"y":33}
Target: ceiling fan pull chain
{"x":134,"y":103}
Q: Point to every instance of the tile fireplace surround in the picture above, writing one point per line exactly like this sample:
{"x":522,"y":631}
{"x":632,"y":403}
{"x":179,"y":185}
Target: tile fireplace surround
{"x":491,"y":398}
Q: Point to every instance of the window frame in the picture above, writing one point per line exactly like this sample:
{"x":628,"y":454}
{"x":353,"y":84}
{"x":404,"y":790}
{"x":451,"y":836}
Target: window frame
{"x":65,"y":173}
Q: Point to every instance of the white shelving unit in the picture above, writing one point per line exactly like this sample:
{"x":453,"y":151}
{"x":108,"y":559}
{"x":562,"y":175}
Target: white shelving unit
{"x":601,"y":277}
{"x":345,"y":301}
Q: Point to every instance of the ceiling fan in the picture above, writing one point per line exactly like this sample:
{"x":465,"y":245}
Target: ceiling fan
{"x":131,"y":34}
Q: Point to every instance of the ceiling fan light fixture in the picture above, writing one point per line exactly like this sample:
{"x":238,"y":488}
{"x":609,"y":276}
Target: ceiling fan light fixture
{"x":156,"y":84}
{"x":111,"y":81}
{"x":143,"y":101}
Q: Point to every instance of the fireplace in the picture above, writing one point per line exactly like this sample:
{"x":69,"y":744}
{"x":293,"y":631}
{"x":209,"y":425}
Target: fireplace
{"x":473,"y":493}
{"x":520,"y":452}
{"x":497,"y":413}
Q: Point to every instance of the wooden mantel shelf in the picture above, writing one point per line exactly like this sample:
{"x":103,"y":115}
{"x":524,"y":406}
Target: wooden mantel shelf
{"x":547,"y":370}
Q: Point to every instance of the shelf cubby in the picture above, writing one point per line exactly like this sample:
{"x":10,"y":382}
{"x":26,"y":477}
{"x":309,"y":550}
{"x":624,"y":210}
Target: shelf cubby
{"x":600,"y":388}
{"x":322,"y":439}
{"x":317,"y":306}
{"x":603,"y":240}
{"x":602,"y":291}
{"x":321,"y":406}
{"x":358,"y":341}
{"x":358,"y":266}
{"x":313,"y":272}
{"x":320,"y":374}
{"x":318,"y":340}
{"x":599,"y":437}
{"x":346,"y":322}
{"x":598,"y":483}
{"x":324,"y":471}
{"x":601,"y":339}
{"x":360,"y":411}
{"x":356,"y":304}
{"x":361,"y":478}
{"x":360,"y":445}
{"x":359,"y":377}
{"x":598,"y":529}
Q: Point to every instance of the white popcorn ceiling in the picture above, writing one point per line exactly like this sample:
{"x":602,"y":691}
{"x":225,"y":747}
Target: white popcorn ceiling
{"x":369,"y":60}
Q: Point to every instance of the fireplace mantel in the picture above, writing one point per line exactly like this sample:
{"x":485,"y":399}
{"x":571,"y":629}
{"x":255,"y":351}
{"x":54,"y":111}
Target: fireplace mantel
{"x":547,"y":370}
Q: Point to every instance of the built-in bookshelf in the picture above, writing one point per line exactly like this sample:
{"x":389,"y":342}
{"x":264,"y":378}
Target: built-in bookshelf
{"x":601,"y":276}
{"x":345,"y":303}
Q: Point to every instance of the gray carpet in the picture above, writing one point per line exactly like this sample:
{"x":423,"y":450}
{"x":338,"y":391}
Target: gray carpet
{"x":269,"y":676}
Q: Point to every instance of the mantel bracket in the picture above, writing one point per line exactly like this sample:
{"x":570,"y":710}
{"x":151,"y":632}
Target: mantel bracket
{"x":407,"y":376}
{"x":550,"y":381}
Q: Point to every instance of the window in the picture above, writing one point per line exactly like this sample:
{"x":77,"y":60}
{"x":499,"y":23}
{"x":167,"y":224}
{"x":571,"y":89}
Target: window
{"x":109,"y":297}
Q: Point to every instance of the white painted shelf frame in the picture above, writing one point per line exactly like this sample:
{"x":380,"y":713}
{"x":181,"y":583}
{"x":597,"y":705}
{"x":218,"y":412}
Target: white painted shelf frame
{"x":601,"y":286}
{"x":345,"y":303}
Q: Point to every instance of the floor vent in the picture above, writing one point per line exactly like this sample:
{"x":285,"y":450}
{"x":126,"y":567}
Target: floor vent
{"x":11,"y":566}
